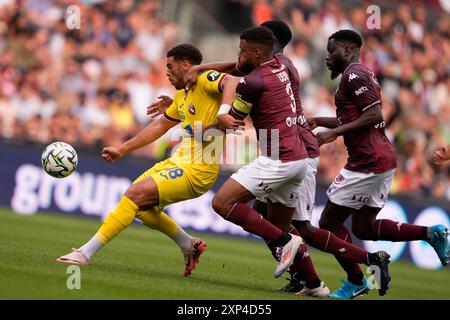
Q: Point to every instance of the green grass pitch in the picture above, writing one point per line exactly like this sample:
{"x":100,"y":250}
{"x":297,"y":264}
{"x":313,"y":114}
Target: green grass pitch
{"x":144,"y":264}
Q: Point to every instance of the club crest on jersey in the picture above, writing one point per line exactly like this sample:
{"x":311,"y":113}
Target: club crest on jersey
{"x":213,"y":75}
{"x":191,"y":109}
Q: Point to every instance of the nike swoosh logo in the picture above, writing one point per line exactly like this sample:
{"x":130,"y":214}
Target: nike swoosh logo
{"x":357,"y":293}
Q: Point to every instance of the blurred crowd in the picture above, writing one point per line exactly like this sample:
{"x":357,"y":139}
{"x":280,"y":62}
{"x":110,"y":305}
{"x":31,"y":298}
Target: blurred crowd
{"x":90,"y":87}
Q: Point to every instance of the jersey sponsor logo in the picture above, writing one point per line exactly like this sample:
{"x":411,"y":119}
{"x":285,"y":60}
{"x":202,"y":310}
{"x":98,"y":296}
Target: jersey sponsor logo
{"x":189,"y":129}
{"x":331,"y":189}
{"x":191,"y":109}
{"x":361,"y":90}
{"x":213,"y":75}
{"x":360,"y":198}
{"x":301,"y":119}
{"x":352,"y":76}
{"x":291,"y":120}
{"x":265,"y":187}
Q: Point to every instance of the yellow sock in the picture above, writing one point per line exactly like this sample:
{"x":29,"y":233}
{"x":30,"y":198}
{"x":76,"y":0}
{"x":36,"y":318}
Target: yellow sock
{"x":117,"y":220}
{"x":158,"y":220}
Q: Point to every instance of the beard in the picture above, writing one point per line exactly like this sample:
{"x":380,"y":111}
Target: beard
{"x":334,"y":74}
{"x":246,"y":68}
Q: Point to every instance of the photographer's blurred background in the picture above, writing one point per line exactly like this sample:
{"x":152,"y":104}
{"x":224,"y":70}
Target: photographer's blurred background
{"x":90,"y":87}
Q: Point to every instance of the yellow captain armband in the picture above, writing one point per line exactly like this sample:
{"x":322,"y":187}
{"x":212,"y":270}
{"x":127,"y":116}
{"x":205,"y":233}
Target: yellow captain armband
{"x":242,"y":106}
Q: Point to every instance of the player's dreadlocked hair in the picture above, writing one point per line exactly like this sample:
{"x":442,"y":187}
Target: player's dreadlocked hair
{"x":259,"y":35}
{"x":347,"y":36}
{"x":280,"y":30}
{"x":187,"y":52}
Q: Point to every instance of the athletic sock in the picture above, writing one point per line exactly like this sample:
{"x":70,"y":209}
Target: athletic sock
{"x":117,"y":220}
{"x":304,"y":266}
{"x":91,"y":247}
{"x":156,"y":219}
{"x":354,"y":273}
{"x":253,"y":222}
{"x":326,"y":241}
{"x":385,"y":229}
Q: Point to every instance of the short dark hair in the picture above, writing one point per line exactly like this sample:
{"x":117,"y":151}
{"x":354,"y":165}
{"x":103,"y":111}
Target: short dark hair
{"x":280,"y":30}
{"x":186,"y":51}
{"x":259,"y":35}
{"x":347,"y":36}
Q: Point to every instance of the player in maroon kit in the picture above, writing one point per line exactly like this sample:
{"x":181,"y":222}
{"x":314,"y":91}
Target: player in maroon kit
{"x":304,"y":280}
{"x":266,"y":95}
{"x":320,"y":239}
{"x":361,"y":189}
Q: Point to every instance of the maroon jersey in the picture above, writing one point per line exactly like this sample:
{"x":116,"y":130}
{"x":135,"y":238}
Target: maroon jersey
{"x":312,"y":147}
{"x":369,"y":150}
{"x":266,"y":94}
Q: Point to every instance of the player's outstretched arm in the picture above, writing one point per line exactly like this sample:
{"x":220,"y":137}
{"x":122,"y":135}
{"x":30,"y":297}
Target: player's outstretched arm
{"x":149,"y":134}
{"x":160,"y":106}
{"x":225,"y":119}
{"x":441,"y":155}
{"x":370,"y":117}
{"x":190,"y":78}
{"x":327,"y":122}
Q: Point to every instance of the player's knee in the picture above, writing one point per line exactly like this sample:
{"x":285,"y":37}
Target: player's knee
{"x":325,"y":223}
{"x":220,"y":206}
{"x":132,"y":194}
{"x":138,"y":196}
{"x":305,"y":229}
{"x":362,"y":233}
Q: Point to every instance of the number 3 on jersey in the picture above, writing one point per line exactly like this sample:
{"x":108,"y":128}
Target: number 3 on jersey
{"x":172,"y":173}
{"x":290,"y":93}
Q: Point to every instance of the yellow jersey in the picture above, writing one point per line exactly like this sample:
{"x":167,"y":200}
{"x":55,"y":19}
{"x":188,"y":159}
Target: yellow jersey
{"x":198,"y":107}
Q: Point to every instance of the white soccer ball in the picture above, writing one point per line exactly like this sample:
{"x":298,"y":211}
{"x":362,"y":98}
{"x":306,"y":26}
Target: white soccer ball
{"x":59,"y":159}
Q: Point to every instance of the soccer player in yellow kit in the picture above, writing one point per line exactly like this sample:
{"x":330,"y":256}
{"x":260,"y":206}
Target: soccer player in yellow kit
{"x":187,"y":174}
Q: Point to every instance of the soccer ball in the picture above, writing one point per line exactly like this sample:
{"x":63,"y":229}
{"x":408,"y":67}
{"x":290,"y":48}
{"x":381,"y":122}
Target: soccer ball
{"x":59,"y":159}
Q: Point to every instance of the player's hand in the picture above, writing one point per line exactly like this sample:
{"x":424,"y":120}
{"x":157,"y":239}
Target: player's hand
{"x":160,"y":106}
{"x":111,"y":154}
{"x":226,"y":121}
{"x":326,"y":137}
{"x":441,"y":155}
{"x":312,"y":124}
{"x":190,"y":78}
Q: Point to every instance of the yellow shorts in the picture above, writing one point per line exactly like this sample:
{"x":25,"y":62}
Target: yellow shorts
{"x":179,"y":182}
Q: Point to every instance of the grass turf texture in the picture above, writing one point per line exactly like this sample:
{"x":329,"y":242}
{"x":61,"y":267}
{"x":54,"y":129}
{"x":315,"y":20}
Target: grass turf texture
{"x":145,"y":264}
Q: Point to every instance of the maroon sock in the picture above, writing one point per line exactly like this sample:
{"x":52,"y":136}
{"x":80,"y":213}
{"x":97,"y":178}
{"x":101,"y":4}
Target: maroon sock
{"x":253,"y":222}
{"x":353,"y":270}
{"x":273,"y":249}
{"x":303,"y":264}
{"x":396,"y":231}
{"x":325,"y":240}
